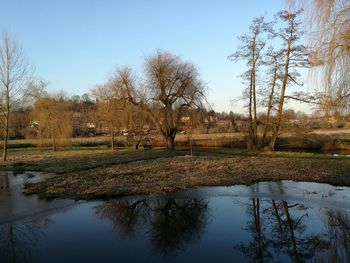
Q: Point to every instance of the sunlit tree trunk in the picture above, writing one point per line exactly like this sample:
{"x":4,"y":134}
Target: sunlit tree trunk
{"x":250,"y":131}
{"x":270,"y":103}
{"x":253,"y":79}
{"x":283,"y":91}
{"x":6,"y":131}
{"x":112,"y":137}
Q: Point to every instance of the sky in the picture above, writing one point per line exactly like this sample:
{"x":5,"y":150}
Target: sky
{"x":76,"y":44}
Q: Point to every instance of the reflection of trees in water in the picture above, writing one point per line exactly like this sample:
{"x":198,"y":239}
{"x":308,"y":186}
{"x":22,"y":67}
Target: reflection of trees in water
{"x":296,"y":241}
{"x":4,"y":180}
{"x":257,"y":248}
{"x":338,"y":229}
{"x":18,"y":241}
{"x":177,"y":223}
{"x":127,"y":215}
{"x":173,"y":224}
{"x":279,"y":227}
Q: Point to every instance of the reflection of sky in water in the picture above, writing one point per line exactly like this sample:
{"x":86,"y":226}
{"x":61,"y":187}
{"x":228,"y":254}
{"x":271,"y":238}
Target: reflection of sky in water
{"x":223,"y":224}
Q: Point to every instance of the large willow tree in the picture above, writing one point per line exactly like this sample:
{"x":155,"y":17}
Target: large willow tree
{"x":169,"y":89}
{"x":54,"y":118}
{"x":329,"y":31}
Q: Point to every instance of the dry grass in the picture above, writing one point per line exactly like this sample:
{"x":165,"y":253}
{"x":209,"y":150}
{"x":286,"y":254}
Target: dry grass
{"x":336,"y":131}
{"x":326,"y":139}
{"x":76,"y":159}
{"x":177,"y":173}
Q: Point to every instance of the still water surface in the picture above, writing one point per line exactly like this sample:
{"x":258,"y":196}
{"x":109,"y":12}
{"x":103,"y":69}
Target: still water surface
{"x":266,"y":222}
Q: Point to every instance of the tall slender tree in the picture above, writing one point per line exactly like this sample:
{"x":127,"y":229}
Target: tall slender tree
{"x":250,"y":50}
{"x":295,"y":56}
{"x":15,"y":74}
{"x":273,"y":63}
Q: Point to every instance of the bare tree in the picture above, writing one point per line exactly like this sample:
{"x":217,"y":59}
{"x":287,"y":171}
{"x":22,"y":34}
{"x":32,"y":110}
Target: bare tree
{"x":295,"y":56}
{"x":272,"y":61}
{"x":110,"y":106}
{"x":137,"y":123}
{"x":170,"y":86}
{"x":15,"y":74}
{"x":250,"y":51}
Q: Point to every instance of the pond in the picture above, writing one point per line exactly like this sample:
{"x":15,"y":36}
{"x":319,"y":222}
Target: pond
{"x":266,"y":222}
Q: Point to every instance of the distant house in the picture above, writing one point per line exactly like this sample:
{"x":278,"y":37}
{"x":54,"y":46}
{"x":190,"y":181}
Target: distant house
{"x":185,"y":119}
{"x":34,"y":124}
{"x":91,"y":125}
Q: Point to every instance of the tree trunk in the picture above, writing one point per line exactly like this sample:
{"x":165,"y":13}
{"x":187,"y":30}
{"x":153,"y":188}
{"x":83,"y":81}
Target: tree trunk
{"x":53,"y":137}
{"x":138,"y":142}
{"x":252,"y":104}
{"x":112,"y":138}
{"x":6,"y":135}
{"x":281,"y":100}
{"x":255,"y":118}
{"x":269,"y":106}
{"x":54,"y":147}
{"x":191,"y":150}
{"x":170,"y":142}
{"x":250,"y":131}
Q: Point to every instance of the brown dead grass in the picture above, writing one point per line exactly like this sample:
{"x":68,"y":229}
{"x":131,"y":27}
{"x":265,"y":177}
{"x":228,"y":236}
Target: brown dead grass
{"x":178,"y":173}
{"x":80,"y":160}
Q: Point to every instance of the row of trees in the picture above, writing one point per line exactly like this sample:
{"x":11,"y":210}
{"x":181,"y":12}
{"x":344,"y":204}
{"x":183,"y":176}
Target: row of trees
{"x":84,"y":116}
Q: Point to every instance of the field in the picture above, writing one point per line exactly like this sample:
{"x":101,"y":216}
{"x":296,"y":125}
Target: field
{"x":316,"y":140}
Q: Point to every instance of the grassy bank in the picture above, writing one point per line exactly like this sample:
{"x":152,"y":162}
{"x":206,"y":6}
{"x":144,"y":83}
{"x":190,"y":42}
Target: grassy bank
{"x":156,"y":171}
{"x":76,"y":159}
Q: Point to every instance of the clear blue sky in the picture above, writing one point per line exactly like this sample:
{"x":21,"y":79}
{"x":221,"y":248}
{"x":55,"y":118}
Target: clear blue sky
{"x":75,"y":44}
